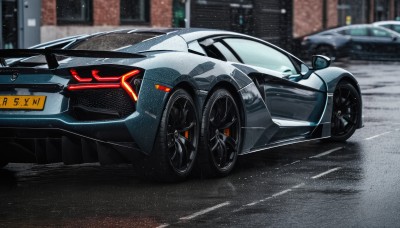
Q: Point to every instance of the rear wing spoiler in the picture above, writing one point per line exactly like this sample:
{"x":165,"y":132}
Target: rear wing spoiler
{"x":50,"y":55}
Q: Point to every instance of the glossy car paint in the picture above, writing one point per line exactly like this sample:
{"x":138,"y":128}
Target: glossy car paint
{"x":339,"y":44}
{"x":355,"y":46}
{"x":266,"y":121}
{"x":392,"y":25}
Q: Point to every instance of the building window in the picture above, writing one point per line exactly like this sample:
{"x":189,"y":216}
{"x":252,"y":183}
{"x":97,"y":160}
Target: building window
{"x":135,"y":11}
{"x":178,"y":16}
{"x":381,"y":10}
{"x":353,"y":12}
{"x":74,"y":12}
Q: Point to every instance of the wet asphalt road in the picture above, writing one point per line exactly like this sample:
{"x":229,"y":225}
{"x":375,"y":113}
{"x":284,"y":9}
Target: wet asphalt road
{"x":353,"y":184}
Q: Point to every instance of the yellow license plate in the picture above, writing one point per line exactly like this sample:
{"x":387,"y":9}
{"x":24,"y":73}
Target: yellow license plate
{"x":22,"y":102}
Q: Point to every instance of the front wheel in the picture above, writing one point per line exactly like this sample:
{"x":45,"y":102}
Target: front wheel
{"x":219,"y":135}
{"x":345,"y":112}
{"x":175,"y":148}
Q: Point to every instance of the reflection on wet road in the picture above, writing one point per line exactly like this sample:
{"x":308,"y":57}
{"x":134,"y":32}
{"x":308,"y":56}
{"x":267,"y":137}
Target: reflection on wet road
{"x":315,"y":184}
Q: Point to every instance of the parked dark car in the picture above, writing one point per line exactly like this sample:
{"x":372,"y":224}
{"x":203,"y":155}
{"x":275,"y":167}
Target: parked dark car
{"x":328,"y":43}
{"x":168,"y":101}
{"x":356,"y":41}
{"x":392,"y":25}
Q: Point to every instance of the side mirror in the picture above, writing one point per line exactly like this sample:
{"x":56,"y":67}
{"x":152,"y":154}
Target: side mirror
{"x":320,"y":62}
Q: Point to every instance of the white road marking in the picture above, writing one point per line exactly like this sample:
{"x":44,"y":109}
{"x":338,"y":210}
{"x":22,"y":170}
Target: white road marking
{"x":162,"y":226}
{"x":327,"y":152}
{"x":205,"y":211}
{"x":281,"y":193}
{"x":273,"y":196}
{"x":376,"y":136}
{"x":299,"y":185}
{"x":257,"y":202}
{"x":326,"y":173}
{"x":292,"y":163}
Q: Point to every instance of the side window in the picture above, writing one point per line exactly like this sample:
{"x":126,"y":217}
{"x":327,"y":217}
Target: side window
{"x":386,"y":26}
{"x":213,"y":52}
{"x":357,"y":32}
{"x":377,"y":32}
{"x":226,"y":52}
{"x":396,"y":28}
{"x":217,"y":50}
{"x":342,"y":32}
{"x":261,"y":55}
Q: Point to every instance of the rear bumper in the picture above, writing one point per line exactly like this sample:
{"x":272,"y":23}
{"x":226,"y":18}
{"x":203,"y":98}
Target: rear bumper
{"x":41,"y":127}
{"x":62,"y":139}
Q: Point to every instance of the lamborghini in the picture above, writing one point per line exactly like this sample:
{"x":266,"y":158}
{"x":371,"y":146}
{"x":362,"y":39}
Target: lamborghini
{"x":169,"y":101}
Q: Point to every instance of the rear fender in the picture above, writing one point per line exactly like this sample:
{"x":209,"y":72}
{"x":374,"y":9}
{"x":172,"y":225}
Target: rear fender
{"x":143,"y":124}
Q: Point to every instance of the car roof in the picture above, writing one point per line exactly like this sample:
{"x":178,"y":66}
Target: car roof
{"x":338,"y":29}
{"x":161,"y":35}
{"x":387,"y":23}
{"x":188,"y":34}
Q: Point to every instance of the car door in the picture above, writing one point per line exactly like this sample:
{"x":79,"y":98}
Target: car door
{"x":290,"y":99}
{"x":385,"y":44}
{"x":361,"y":44}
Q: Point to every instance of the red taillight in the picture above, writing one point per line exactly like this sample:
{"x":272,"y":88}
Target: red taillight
{"x":76,"y":76}
{"x":126,"y":86}
{"x":95,"y":74}
{"x":93,"y":86}
{"x":100,"y":82}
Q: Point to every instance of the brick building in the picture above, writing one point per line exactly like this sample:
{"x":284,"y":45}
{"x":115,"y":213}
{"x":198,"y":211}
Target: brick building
{"x":278,"y":21}
{"x":62,"y":18}
{"x":275,"y":20}
{"x":313,"y":15}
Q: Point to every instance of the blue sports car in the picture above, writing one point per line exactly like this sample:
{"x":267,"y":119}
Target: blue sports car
{"x":168,"y":101}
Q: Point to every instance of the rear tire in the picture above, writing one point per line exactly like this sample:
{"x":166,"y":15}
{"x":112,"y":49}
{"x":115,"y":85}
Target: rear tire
{"x":345,"y":112}
{"x":220,"y":135}
{"x":175,"y":147}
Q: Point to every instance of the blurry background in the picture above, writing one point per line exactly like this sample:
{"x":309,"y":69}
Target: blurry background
{"x":28,"y":22}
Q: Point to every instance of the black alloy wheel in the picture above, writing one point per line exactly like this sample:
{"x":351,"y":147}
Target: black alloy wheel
{"x":220,"y":134}
{"x":175,"y":149}
{"x":182,"y":134}
{"x":345,"y":113}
